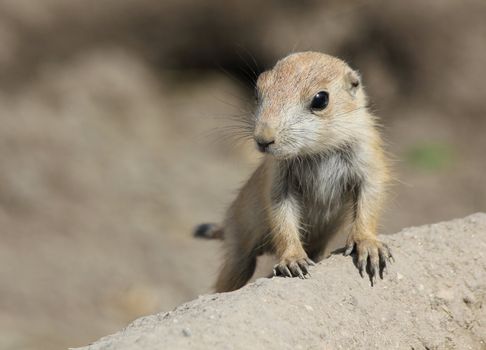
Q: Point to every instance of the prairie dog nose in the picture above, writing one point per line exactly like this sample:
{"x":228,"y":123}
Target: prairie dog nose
{"x":263,"y":144}
{"x":264,"y":136}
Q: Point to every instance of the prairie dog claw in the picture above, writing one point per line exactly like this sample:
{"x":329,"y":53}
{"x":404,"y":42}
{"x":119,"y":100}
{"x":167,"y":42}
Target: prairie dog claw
{"x":372,"y":256}
{"x":293,"y":268}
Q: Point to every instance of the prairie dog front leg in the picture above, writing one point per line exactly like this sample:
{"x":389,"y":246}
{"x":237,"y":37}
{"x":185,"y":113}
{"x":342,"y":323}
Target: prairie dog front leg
{"x":284,"y":217}
{"x":362,"y":237}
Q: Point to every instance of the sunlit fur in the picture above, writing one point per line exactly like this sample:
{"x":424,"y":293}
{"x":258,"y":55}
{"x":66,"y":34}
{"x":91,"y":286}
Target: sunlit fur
{"x":324,"y":175}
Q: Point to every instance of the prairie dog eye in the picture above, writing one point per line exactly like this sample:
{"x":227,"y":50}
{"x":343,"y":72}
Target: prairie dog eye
{"x":320,"y":101}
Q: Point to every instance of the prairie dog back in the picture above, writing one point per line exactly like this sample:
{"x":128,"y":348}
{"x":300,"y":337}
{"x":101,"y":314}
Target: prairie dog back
{"x":323,"y":174}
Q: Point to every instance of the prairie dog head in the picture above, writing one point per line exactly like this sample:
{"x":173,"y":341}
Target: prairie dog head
{"x":308,"y":103}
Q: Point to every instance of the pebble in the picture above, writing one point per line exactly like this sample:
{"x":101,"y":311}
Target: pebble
{"x":445,"y":294}
{"x":308,"y":308}
{"x":186,"y":332}
{"x":469,"y":299}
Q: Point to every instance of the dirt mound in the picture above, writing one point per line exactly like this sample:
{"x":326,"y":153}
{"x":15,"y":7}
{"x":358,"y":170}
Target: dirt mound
{"x":433,"y":297}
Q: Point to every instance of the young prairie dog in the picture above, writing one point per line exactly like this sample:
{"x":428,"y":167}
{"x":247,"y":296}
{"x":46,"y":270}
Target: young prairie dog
{"x":323,"y":174}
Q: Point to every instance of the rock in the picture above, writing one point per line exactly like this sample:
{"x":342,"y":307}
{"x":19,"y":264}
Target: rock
{"x":186,"y":332}
{"x":336,"y":308}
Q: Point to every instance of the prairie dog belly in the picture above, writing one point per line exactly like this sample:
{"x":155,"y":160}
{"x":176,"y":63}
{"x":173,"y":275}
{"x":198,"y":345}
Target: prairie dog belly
{"x":325,"y":232}
{"x":324,"y":188}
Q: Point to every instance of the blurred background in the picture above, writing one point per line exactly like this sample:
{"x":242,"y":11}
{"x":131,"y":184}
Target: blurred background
{"x":113,"y":142}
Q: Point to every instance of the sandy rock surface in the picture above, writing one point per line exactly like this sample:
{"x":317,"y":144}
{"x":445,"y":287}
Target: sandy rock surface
{"x":433,"y":297}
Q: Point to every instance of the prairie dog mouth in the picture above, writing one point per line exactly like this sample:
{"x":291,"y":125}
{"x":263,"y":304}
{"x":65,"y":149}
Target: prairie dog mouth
{"x":264,"y":145}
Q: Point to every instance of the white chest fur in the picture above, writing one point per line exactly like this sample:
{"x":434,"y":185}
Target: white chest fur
{"x":323,"y":184}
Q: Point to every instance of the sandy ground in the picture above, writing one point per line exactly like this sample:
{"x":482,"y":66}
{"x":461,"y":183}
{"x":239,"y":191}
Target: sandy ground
{"x":433,"y":297}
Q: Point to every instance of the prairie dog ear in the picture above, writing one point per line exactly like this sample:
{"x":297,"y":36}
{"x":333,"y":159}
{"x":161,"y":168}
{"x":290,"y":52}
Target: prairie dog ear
{"x":352,"y":81}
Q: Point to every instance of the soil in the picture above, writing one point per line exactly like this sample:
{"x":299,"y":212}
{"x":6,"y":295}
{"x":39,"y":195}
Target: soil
{"x":433,"y":297}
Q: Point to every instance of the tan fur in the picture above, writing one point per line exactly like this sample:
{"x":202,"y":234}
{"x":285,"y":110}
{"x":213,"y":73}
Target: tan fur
{"x":324,"y":175}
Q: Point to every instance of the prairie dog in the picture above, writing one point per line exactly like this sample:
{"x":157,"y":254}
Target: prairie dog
{"x":323,"y":174}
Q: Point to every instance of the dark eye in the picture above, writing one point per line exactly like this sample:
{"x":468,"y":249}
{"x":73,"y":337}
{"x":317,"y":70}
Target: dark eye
{"x":320,"y":101}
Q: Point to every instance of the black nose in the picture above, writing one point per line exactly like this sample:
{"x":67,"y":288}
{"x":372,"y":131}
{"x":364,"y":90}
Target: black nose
{"x":264,"y":144}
